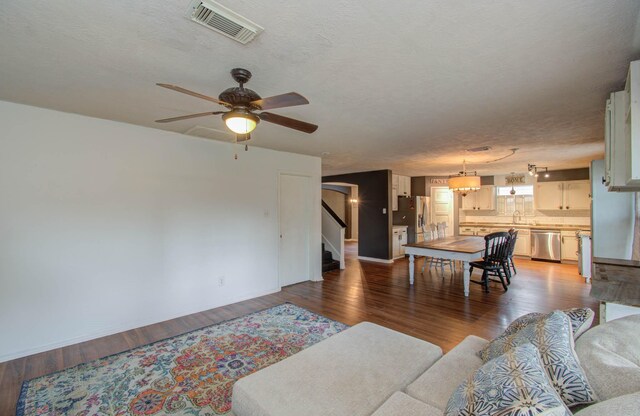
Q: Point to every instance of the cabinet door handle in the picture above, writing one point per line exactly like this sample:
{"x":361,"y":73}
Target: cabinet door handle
{"x":560,"y":206}
{"x":563,"y":240}
{"x":604,"y":180}
{"x":567,"y":206}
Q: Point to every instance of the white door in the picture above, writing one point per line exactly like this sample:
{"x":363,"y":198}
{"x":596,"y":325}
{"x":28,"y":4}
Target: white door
{"x":295,"y":218}
{"x":442,"y":207}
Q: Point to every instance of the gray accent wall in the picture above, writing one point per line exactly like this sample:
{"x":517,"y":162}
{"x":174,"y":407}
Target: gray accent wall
{"x":374,"y":226}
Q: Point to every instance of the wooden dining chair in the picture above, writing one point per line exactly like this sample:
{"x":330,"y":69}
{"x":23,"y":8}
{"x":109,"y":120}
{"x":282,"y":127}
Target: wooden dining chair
{"x":427,"y":235}
{"x":496,"y":251}
{"x":440,"y":230}
{"x":433,"y":235}
{"x":509,"y":264}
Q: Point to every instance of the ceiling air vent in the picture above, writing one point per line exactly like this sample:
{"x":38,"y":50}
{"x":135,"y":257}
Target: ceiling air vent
{"x":217,"y":17}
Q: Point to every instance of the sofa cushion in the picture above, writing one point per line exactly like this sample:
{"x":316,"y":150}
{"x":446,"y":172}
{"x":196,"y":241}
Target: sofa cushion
{"x":351,"y":373}
{"x":581,"y":320}
{"x":627,"y":405}
{"x":553,"y":337}
{"x":402,"y":405}
{"x":436,"y":385}
{"x":610,"y":356}
{"x":512,"y":384}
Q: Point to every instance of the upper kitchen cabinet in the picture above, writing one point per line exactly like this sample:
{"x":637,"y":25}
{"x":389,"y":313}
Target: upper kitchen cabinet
{"x":577,"y":195}
{"x":632,"y":124}
{"x":567,"y":195}
{"x":404,"y":185}
{"x":483,"y":199}
{"x":394,"y":192}
{"x":622,"y":135}
{"x":400,"y":186}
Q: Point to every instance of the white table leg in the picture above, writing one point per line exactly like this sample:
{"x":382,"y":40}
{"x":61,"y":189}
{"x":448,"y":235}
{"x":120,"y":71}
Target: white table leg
{"x":466,"y":277}
{"x":411,"y":268}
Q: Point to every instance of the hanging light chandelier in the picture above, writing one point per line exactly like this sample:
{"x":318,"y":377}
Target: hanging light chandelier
{"x":464,"y":182}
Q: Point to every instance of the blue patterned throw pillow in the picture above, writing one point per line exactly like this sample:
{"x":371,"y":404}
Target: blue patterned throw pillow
{"x":581,"y":320}
{"x":513,"y":384}
{"x":553,"y":336}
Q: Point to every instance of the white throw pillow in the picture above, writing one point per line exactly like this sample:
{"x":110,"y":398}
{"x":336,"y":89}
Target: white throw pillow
{"x":581,"y":320}
{"x":512,"y":384}
{"x":553,"y":337}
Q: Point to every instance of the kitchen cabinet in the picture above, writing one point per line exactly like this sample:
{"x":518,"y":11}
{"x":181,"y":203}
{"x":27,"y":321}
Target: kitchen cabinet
{"x":567,"y":195}
{"x":615,"y":144}
{"x":622,"y":135}
{"x":467,"y":231}
{"x":400,"y":187}
{"x":577,"y":195}
{"x":404,"y":185}
{"x":568,"y":245}
{"x":482,"y":231}
{"x":523,"y":243}
{"x":632,"y":124}
{"x":482,"y":199}
{"x":548,"y":195}
{"x":394,"y":192}
{"x":399,"y":238}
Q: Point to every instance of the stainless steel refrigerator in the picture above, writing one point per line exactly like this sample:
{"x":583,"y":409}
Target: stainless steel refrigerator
{"x":414,"y":213}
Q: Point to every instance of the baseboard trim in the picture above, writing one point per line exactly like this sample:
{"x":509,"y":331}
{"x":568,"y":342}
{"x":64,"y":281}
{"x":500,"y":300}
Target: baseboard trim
{"x":119,"y":328}
{"x":387,"y":261}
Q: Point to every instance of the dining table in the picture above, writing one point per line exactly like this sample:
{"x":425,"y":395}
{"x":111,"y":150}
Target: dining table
{"x":461,"y":248}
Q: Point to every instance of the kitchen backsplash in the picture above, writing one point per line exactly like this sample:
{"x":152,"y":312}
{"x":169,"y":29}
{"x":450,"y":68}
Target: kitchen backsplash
{"x":539,"y":218}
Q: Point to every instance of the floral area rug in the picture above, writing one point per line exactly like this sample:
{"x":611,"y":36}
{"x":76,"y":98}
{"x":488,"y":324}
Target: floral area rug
{"x":190,"y":374}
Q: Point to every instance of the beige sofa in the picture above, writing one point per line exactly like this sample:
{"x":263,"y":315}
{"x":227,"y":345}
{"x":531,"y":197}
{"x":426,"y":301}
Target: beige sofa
{"x":372,"y":370}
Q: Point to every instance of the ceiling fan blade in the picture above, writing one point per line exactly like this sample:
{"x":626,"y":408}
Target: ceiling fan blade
{"x":209,"y":113}
{"x":192,"y":93}
{"x":283,"y":100}
{"x":288,"y":122}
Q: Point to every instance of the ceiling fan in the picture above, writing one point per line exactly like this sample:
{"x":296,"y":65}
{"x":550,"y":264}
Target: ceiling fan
{"x":242,"y":104}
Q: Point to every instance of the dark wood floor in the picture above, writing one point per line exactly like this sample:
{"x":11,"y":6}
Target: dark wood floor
{"x":434,"y":309}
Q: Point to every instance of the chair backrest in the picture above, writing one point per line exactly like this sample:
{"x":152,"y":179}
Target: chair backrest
{"x":434,"y":231}
{"x":496,"y":248}
{"x":512,"y":241}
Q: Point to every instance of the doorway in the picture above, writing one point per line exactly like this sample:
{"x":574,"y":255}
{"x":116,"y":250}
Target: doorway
{"x":442,"y":207}
{"x":294,"y":217}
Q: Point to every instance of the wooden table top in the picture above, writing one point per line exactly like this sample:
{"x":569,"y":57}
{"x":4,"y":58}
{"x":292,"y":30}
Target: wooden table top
{"x":459,"y":244}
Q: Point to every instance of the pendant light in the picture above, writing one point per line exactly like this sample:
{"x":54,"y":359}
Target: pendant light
{"x":464,"y":182}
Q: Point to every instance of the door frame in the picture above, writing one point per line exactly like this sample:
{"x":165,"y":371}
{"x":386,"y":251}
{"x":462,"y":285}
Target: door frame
{"x":310,"y":198}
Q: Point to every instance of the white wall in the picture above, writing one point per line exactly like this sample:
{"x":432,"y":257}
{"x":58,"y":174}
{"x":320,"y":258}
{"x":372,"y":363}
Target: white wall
{"x":107,"y":226}
{"x":336,"y":201}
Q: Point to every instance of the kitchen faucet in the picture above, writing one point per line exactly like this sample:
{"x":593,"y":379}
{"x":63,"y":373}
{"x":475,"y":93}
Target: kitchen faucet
{"x":517,"y":212}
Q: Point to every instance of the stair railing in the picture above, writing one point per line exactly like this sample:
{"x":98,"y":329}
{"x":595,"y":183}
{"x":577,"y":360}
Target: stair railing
{"x":333,"y":229}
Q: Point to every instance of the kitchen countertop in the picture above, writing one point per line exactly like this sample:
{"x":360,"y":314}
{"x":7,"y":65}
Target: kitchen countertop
{"x":560,"y":227}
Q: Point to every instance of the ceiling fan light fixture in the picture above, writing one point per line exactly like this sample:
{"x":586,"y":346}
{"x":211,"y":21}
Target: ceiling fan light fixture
{"x":240,"y":122}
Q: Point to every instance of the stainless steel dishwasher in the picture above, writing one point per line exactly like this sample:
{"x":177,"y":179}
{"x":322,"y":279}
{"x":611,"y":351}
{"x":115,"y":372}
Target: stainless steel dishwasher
{"x":545,"y":245}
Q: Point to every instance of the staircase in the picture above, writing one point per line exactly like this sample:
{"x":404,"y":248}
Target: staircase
{"x":328,"y":263}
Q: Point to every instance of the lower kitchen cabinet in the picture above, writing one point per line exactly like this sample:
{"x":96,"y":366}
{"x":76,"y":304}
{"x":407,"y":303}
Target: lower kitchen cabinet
{"x":467,"y":231}
{"x":569,"y":246}
{"x":398,"y":239}
{"x":523,"y":243}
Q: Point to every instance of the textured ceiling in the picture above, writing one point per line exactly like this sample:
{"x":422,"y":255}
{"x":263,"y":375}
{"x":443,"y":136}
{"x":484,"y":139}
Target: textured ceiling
{"x":404,"y":85}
